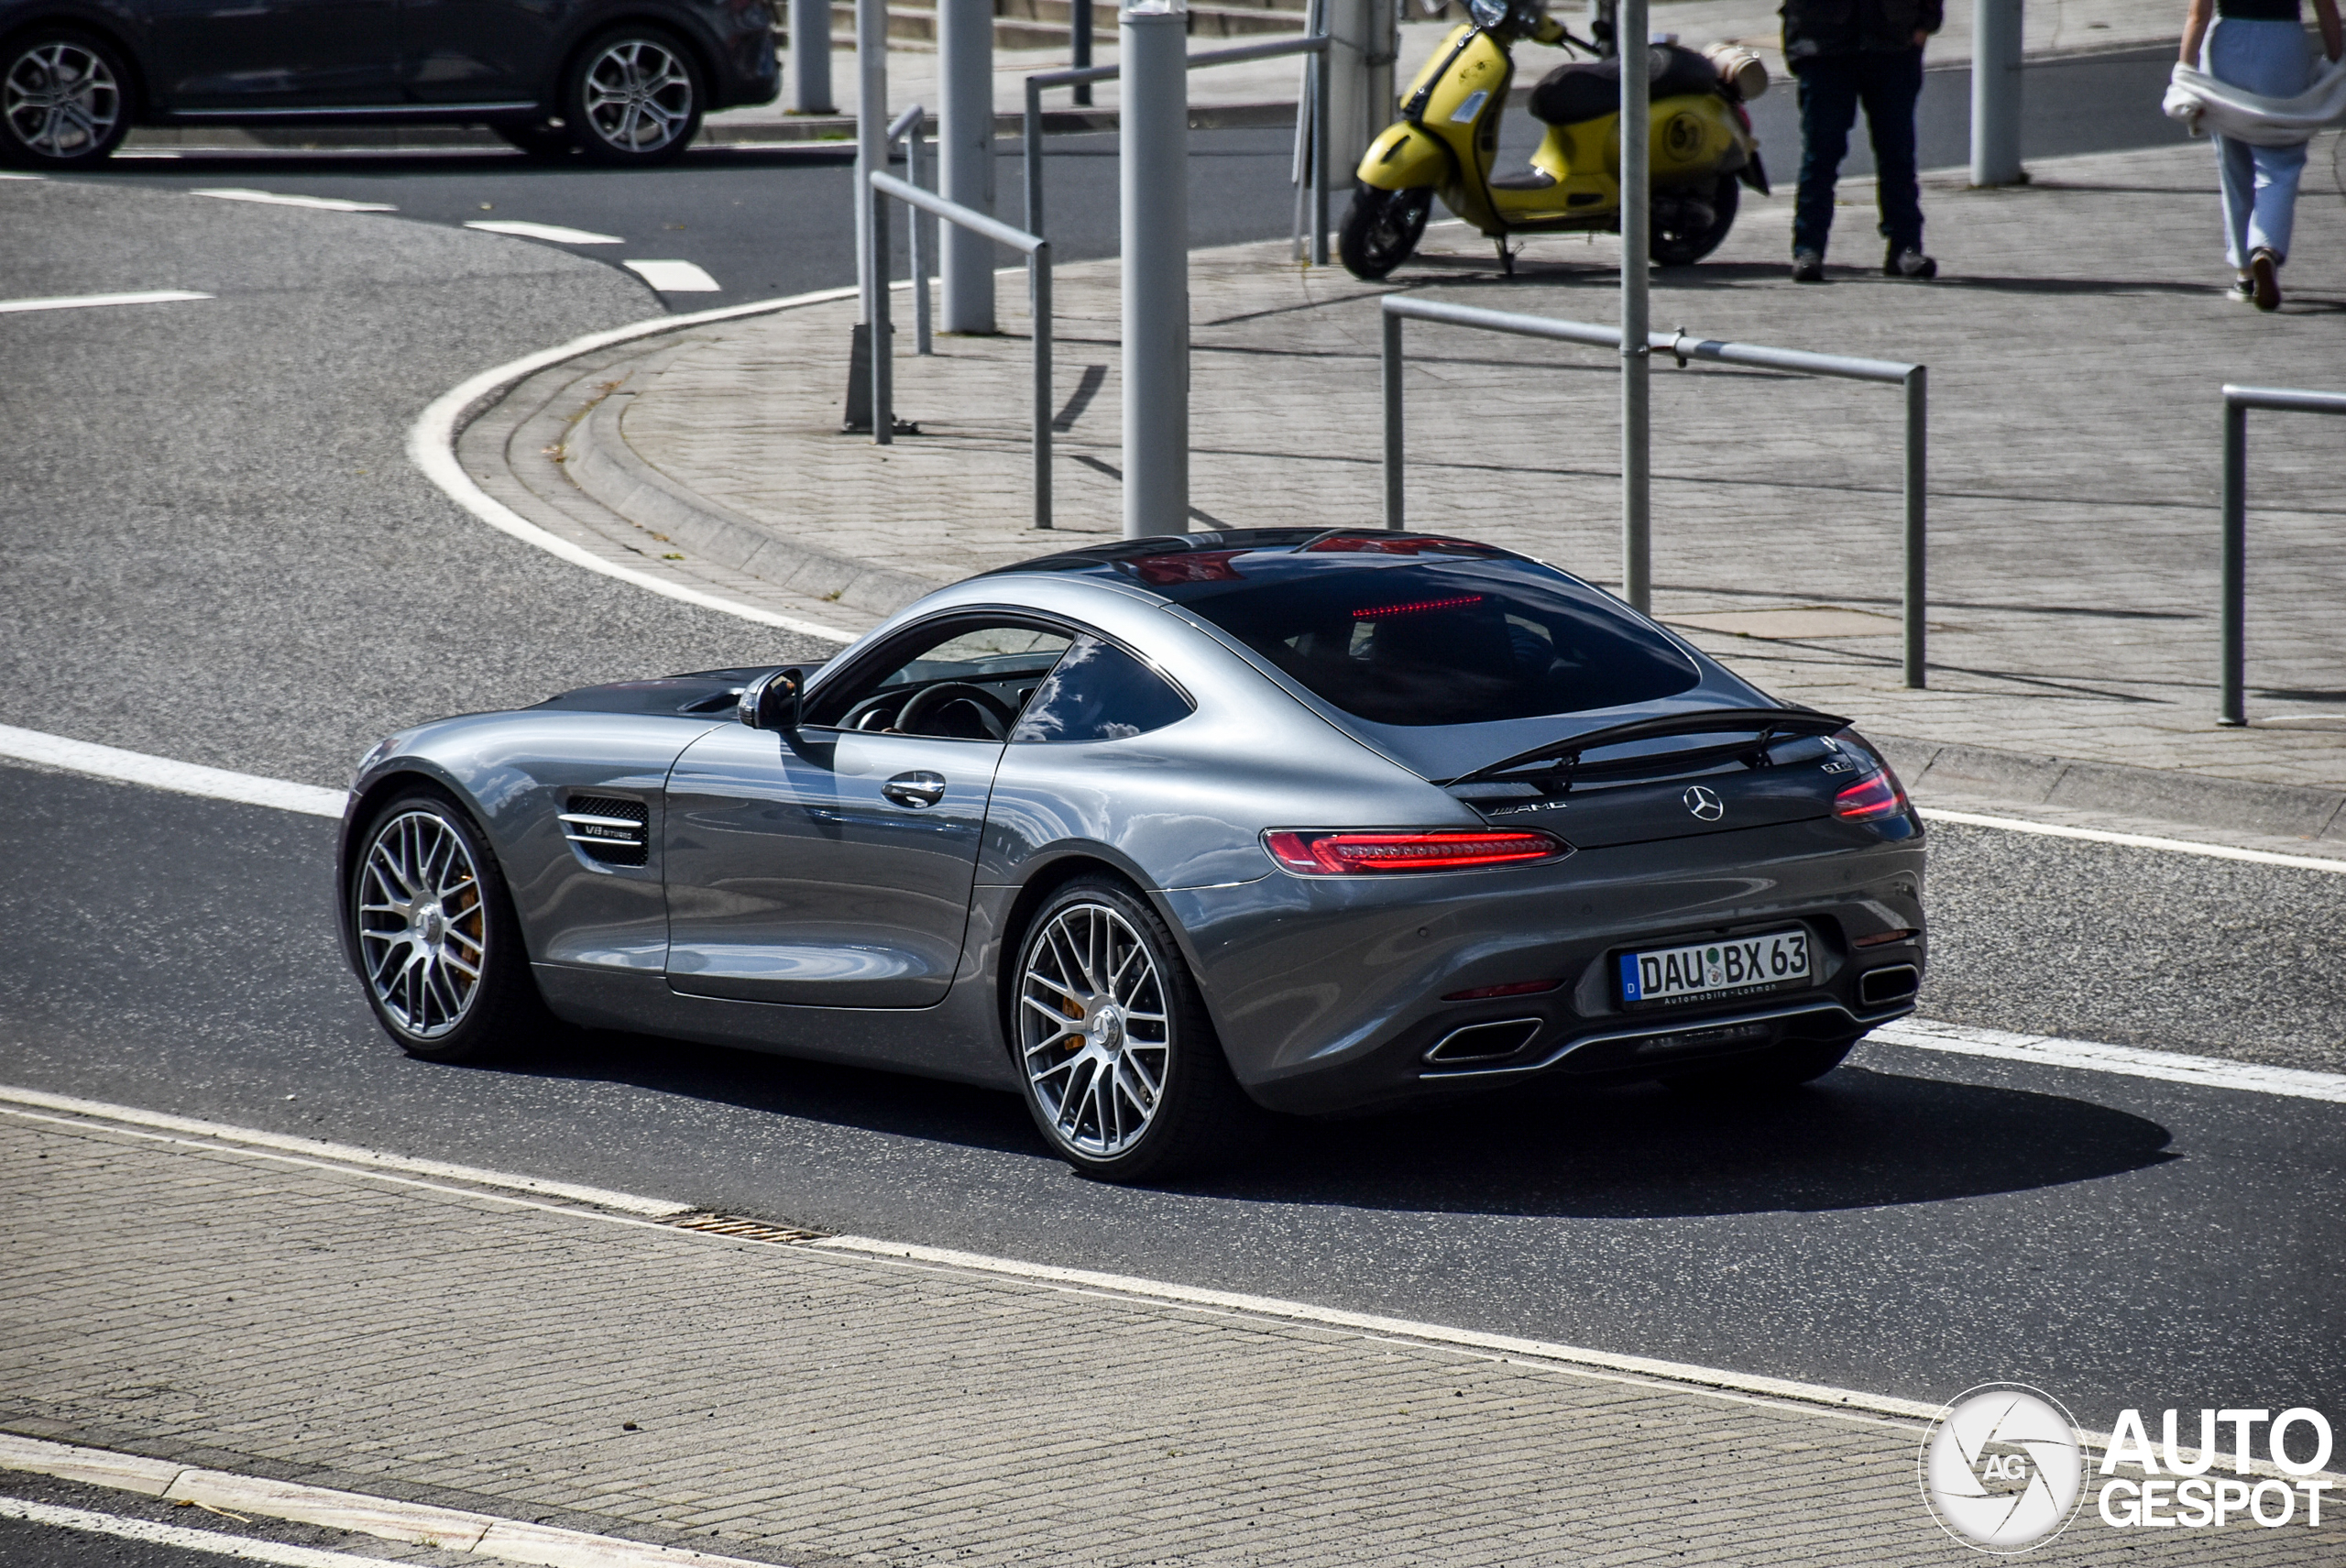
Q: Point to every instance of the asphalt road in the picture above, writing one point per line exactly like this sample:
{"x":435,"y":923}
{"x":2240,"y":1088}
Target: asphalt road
{"x":218,"y":552}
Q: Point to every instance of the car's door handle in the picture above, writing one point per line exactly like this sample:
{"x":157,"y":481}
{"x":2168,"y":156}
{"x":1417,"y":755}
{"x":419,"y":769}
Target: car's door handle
{"x":914,"y":789}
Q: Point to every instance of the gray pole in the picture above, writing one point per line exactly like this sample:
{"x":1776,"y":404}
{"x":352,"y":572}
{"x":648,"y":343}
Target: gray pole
{"x":1079,"y":53}
{"x":1389,"y":361}
{"x":1153,"y":142}
{"x":871,"y":209}
{"x":965,"y":157}
{"x":2233,"y":612}
{"x":1917,"y":590}
{"x":810,"y":58}
{"x":1637,"y":113}
{"x":1995,"y":91}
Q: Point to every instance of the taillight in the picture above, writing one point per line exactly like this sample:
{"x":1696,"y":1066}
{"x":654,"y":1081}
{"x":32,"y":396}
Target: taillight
{"x":1333,"y":854}
{"x":1872,"y":797}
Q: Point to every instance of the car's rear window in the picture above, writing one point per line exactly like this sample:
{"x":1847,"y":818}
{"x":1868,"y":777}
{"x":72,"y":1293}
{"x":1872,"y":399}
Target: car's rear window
{"x":1426,"y":638}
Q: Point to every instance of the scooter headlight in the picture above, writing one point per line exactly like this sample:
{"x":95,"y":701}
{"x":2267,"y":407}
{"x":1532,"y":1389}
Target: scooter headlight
{"x":1487,"y":12}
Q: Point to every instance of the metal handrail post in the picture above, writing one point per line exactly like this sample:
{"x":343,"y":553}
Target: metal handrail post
{"x":2235,"y":611}
{"x":1080,"y":21}
{"x":1389,"y":364}
{"x":1914,"y":379}
{"x":906,"y":129}
{"x":1030,"y":141}
{"x":883,"y":369}
{"x":1917,"y":591}
{"x":1320,"y":160}
{"x":1037,"y":251}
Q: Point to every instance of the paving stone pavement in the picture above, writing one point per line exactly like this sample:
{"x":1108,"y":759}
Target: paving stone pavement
{"x":275,"y":1316}
{"x":2076,"y":341}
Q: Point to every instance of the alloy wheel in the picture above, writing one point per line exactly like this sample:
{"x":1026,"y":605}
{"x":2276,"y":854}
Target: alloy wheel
{"x":638,"y":96}
{"x":1095,"y":1035}
{"x":423,"y":923}
{"x":60,"y":100}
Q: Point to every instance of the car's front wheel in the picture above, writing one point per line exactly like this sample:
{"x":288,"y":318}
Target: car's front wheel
{"x":634,"y":95}
{"x":1120,"y":1065}
{"x":438,"y":943}
{"x":62,"y":100}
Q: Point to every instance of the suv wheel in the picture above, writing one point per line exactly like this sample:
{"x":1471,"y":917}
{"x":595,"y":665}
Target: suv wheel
{"x":62,"y":102}
{"x":633,"y":96}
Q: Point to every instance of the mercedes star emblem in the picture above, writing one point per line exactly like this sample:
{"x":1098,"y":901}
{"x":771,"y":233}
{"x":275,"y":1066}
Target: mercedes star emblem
{"x":1705,"y":804}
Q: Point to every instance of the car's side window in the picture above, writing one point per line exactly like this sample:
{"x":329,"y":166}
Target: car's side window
{"x":965,"y":681}
{"x":1099,"y":692}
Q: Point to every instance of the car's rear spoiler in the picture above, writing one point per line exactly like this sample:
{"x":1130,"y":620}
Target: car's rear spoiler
{"x":1556,"y":765}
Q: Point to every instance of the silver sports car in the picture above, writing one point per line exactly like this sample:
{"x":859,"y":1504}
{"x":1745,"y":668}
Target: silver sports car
{"x":1162,"y":833}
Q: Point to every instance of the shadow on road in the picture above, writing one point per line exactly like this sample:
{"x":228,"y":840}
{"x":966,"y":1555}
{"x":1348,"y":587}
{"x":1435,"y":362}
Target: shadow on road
{"x":1859,"y":1139}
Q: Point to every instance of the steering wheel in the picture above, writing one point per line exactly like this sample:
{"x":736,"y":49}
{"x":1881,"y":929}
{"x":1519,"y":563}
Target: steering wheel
{"x":872,"y":713}
{"x":993,"y":714}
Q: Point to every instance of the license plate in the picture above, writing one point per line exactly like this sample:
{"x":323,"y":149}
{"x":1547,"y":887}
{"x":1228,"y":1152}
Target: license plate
{"x":1736,"y":966}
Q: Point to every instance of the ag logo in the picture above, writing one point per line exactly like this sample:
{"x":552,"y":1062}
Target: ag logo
{"x":1705,"y":803}
{"x":2001,"y":1468}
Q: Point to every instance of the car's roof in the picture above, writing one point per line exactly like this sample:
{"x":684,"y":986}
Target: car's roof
{"x":1161,"y":561}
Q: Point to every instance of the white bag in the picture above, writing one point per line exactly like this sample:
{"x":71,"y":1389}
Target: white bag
{"x":2206,"y":105}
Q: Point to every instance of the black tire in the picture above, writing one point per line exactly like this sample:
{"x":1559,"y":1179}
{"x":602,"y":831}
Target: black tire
{"x":1786,"y":1065}
{"x":1673,"y":245}
{"x":633,"y":97}
{"x":64,"y":99}
{"x":405,"y":940}
{"x":1078,"y":1083}
{"x":1381,"y":230}
{"x":538,"y":138}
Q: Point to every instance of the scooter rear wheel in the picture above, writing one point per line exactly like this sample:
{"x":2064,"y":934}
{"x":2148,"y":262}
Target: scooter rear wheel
{"x":1381,"y":229}
{"x":1678,"y":242}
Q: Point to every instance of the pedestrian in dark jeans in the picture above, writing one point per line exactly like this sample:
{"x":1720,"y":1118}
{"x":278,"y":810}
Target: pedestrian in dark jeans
{"x":1845,"y":53}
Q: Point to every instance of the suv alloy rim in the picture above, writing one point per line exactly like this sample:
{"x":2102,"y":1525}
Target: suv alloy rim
{"x":422,"y":929}
{"x":638,"y":96}
{"x":1093,"y":1034}
{"x":60,"y":99}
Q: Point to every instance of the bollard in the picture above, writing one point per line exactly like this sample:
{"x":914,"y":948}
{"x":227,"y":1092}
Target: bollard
{"x":1995,"y":91}
{"x":1153,"y":143}
{"x":810,"y":58}
{"x":965,"y":158}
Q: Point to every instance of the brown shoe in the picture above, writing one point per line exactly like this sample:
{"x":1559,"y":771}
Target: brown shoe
{"x":2264,"y":276}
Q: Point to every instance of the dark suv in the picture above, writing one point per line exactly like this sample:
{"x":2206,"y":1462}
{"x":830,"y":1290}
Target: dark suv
{"x":623,"y":82}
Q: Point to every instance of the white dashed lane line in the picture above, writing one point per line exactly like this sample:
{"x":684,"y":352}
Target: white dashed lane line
{"x":554,"y":231}
{"x":316,"y":203}
{"x":77,"y":302}
{"x":674,"y":277}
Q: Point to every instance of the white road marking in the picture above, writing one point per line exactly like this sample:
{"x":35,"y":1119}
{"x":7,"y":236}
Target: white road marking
{"x":78,"y":301}
{"x":674,"y":277}
{"x":416,"y":1524}
{"x":321,"y":203}
{"x":241,"y":1548}
{"x":2133,"y":840}
{"x":347,"y":1154}
{"x":2130,"y":1061}
{"x":554,"y":231}
{"x":162,"y":772}
{"x":432,"y":442}
{"x":4,"y":174}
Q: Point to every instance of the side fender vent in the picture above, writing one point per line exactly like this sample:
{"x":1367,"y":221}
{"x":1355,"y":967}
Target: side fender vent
{"x":609,"y":829}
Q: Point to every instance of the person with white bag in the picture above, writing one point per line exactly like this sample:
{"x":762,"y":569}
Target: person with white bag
{"x":2256,"y":91}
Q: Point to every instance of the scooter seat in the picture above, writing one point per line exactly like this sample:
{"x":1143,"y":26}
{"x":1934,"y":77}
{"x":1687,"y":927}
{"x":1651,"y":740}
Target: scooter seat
{"x":1584,"y":90}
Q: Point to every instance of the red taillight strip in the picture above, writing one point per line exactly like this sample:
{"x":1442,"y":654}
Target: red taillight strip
{"x":1329,"y":852}
{"x":1876,"y":795}
{"x":1417,"y":607}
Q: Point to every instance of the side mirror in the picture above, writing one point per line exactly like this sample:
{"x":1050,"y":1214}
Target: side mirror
{"x":770,"y":702}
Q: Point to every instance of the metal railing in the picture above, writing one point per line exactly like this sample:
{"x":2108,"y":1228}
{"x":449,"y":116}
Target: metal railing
{"x":1313,"y":167}
{"x":1037,"y":251}
{"x":906,"y":129}
{"x":1914,"y":377}
{"x":2238,"y":401}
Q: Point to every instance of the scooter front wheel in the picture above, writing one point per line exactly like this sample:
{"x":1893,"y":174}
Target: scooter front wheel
{"x":1381,"y":228}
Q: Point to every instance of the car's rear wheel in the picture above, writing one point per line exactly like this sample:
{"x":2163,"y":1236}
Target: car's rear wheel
{"x":63,"y":103}
{"x":1685,"y":230}
{"x":1121,"y":1068}
{"x":439,"y":945}
{"x":634,"y":95}
{"x":1785,"y":1064}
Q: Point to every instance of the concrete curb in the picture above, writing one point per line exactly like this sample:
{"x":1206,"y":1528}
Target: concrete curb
{"x":2240,"y":806}
{"x":610,"y":472}
{"x":417,"y":1524}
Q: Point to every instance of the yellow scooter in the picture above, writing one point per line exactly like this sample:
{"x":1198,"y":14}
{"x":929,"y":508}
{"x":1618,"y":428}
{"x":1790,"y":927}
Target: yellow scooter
{"x":1448,"y":136}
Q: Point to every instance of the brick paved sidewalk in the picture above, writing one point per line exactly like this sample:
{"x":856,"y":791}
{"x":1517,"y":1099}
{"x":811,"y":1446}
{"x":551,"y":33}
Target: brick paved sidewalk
{"x":219,"y":1307}
{"x":2076,"y":345}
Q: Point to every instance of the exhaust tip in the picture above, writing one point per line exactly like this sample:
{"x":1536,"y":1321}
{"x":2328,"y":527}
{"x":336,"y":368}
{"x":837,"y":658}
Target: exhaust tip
{"x":1894,"y":983}
{"x":1484,"y":1042}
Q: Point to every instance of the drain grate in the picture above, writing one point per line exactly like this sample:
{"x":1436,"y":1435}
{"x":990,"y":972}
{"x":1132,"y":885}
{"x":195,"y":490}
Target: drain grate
{"x":743,"y":1229}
